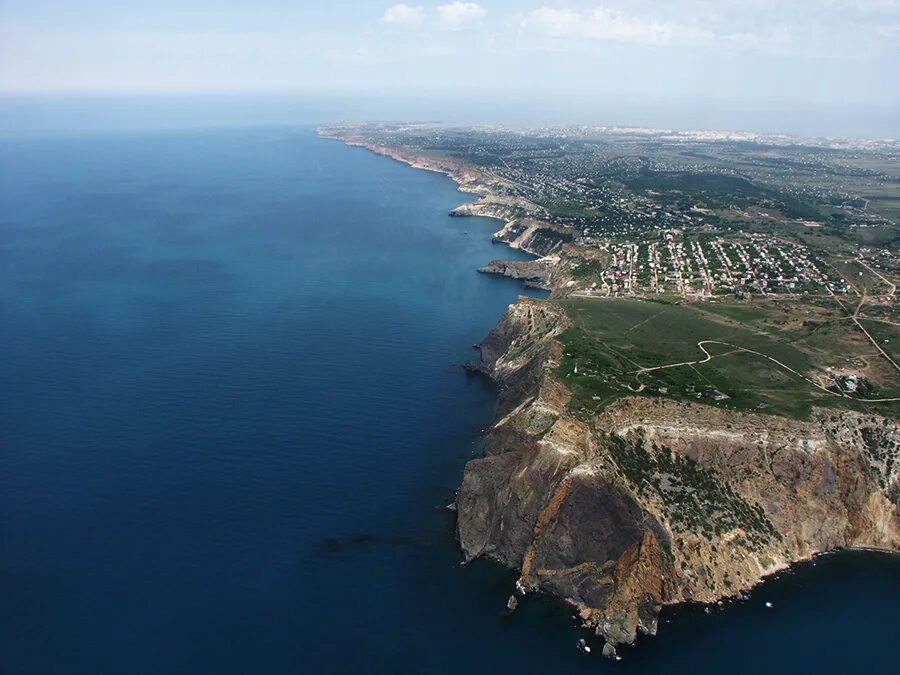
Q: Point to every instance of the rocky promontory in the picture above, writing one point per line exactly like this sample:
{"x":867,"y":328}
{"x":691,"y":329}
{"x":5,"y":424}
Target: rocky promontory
{"x":525,"y":225}
{"x":534,"y":273}
{"x":654,"y":501}
{"x":645,"y":502}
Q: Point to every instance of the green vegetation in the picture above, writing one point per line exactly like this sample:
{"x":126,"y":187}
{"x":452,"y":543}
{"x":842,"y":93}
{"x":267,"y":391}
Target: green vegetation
{"x":545,"y":239}
{"x":615,"y":183}
{"x":764,"y":315}
{"x":716,"y":190}
{"x":887,"y":335}
{"x":611,"y":340}
{"x":697,"y":500}
{"x":587,"y":269}
{"x":858,"y":276}
{"x":783,"y":244}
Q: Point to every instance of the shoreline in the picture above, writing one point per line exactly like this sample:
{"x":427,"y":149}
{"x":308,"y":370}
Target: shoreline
{"x":618,"y":633}
{"x":454,"y":170}
{"x":789,"y":567}
{"x":648,"y":581}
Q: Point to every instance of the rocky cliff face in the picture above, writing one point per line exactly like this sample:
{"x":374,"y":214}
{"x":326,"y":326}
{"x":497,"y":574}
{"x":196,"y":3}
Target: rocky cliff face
{"x":534,"y":273}
{"x":656,"y":501}
{"x":652,"y":501}
{"x":523,"y":225}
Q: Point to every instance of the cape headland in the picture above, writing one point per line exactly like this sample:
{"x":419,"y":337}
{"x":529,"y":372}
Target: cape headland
{"x":652,"y":501}
{"x":665,"y":434}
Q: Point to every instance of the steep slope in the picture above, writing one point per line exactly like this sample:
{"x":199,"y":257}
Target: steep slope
{"x":655,"y":501}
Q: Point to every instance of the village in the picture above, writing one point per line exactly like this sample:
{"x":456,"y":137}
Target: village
{"x":702,"y":266}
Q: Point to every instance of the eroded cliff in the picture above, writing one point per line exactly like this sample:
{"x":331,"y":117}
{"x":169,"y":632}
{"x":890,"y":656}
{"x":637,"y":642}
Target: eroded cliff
{"x":655,"y":501}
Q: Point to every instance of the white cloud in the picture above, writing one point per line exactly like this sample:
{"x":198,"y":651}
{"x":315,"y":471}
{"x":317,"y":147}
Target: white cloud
{"x":403,"y":13}
{"x":603,"y":23}
{"x":459,"y":15}
{"x":875,"y":6}
{"x":779,"y":39}
{"x":891,"y":30}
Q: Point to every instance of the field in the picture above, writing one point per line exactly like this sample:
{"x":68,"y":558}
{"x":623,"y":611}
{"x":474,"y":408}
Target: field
{"x":615,"y":348}
{"x":887,"y":335}
{"x":742,"y":271}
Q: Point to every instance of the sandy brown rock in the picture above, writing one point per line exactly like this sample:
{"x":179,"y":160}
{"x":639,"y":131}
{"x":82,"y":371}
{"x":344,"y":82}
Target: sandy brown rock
{"x":535,"y":273}
{"x":656,"y":501}
{"x":524,"y":223}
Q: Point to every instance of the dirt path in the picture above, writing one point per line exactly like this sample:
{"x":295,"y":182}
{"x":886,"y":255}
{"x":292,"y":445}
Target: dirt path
{"x":707,"y":357}
{"x":853,"y":316}
{"x":880,"y":276}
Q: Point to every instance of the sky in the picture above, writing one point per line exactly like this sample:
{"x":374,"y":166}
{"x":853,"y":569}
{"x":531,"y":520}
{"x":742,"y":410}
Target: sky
{"x":840,"y":57}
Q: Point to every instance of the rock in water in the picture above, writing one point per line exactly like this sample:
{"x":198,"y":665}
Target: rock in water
{"x":609,"y":650}
{"x":511,"y":604}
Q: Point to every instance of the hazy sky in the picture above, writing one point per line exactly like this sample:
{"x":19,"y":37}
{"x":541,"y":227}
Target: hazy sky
{"x":818,"y":52}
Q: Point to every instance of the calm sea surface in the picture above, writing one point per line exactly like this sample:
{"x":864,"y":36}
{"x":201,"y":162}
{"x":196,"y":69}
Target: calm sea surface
{"x":231,"y":401}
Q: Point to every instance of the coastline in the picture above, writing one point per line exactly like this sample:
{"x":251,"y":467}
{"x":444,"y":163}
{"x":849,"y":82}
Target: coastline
{"x":469,"y":180}
{"x":650,"y":581}
{"x":303,"y":333}
{"x":789,"y":567}
{"x":535,"y":434}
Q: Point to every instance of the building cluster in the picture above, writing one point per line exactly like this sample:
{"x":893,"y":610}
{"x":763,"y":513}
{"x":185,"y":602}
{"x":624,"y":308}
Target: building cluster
{"x":690,"y":266}
{"x":633,"y":186}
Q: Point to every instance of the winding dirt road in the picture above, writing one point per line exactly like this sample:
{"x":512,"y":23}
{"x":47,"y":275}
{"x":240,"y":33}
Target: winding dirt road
{"x":707,"y":357}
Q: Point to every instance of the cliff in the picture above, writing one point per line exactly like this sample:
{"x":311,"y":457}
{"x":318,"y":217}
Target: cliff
{"x":523,"y":224}
{"x":654,"y":501}
{"x":534,"y":273}
{"x":651,"y":501}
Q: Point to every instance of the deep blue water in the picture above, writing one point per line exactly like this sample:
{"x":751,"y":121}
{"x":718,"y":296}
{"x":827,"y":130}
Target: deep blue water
{"x":230,"y":401}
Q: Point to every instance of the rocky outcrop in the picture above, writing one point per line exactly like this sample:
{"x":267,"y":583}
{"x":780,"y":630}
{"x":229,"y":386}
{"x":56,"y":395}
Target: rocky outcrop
{"x":534,"y":273}
{"x":536,"y":236}
{"x":654,"y":501}
{"x":524,"y":225}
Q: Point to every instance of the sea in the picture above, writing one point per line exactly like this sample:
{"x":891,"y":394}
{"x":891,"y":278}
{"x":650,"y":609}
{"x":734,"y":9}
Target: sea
{"x":233,"y":411}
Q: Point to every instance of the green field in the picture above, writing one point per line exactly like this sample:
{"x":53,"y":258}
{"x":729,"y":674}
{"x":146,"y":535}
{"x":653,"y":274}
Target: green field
{"x":859,"y":277}
{"x":611,"y":339}
{"x":887,"y":335}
